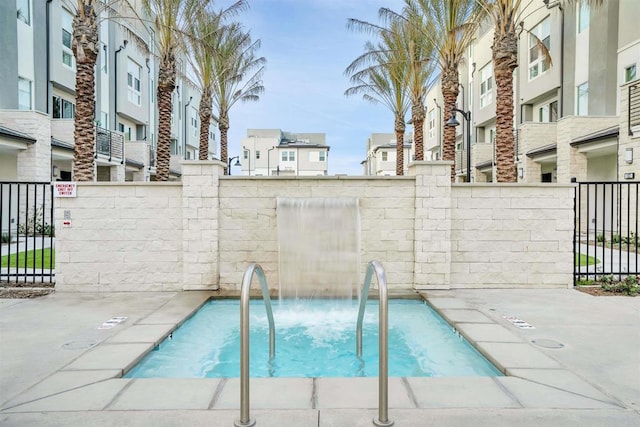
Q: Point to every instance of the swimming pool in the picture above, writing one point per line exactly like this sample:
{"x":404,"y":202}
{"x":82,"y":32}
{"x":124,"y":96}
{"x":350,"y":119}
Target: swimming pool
{"x":314,"y":338}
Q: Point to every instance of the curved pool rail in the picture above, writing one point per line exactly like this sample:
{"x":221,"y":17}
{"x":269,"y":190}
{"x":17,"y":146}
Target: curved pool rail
{"x":383,"y":361}
{"x":245,"y":420}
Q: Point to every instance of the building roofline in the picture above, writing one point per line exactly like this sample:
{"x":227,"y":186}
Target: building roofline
{"x":607,"y":133}
{"x":134,"y":163}
{"x":483,"y":165}
{"x":61,"y":144}
{"x":5,"y":131}
{"x":540,"y":151}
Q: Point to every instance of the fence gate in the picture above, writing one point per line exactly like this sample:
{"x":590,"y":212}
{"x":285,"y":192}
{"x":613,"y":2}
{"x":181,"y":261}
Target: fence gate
{"x":606,"y":230}
{"x":26,"y":233}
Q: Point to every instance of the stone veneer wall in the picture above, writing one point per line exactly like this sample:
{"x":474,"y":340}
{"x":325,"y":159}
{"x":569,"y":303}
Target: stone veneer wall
{"x":123,"y":237}
{"x":203,"y":232}
{"x":511,"y":235}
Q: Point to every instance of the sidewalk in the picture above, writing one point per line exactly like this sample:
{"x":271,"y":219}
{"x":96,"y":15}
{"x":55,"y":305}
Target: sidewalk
{"x":57,"y":367}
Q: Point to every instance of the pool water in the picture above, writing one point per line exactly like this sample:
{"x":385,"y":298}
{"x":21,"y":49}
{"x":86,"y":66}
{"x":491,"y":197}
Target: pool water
{"x":314,"y":338}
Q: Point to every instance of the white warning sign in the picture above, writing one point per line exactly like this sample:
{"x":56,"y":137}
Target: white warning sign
{"x":64,"y":189}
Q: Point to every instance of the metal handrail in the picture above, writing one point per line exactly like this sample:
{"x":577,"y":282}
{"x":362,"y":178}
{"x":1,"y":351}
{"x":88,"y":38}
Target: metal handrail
{"x":245,"y":420}
{"x":383,"y":343}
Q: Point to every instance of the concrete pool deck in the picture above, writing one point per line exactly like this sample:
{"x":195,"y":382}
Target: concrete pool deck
{"x":58,"y":368}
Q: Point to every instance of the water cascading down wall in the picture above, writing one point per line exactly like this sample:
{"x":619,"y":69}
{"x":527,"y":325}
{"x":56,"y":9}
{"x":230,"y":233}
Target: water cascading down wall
{"x":318,"y":247}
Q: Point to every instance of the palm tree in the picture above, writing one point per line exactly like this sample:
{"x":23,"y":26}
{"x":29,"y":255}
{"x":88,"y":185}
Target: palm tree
{"x":418,"y":54}
{"x":237,"y":75}
{"x":84,"y":43}
{"x":172,"y":21}
{"x":507,"y":16}
{"x":85,"y":49}
{"x":450,"y":26}
{"x":207,"y":31}
{"x":380,"y":75}
{"x":421,"y":66}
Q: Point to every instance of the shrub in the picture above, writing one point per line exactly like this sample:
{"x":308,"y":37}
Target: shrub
{"x":36,"y":226}
{"x":629,"y":286}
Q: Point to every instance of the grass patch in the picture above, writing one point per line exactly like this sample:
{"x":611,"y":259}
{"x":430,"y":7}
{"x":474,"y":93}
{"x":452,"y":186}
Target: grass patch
{"x":582,"y":260}
{"x":31,"y":259}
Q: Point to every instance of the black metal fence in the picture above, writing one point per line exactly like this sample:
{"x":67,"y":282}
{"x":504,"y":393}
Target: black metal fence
{"x":27,"y":232}
{"x":606,"y":230}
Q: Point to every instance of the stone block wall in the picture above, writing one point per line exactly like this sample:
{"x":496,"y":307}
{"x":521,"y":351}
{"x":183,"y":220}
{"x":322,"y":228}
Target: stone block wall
{"x":571,"y":163}
{"x":123,"y":237}
{"x":34,"y":163}
{"x":248,"y":223}
{"x":511,"y":235}
{"x":203,"y":232}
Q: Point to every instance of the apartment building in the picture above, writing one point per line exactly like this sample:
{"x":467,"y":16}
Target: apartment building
{"x":576,"y":118}
{"x":37,"y":99}
{"x":274,"y":152}
{"x":382,"y":154}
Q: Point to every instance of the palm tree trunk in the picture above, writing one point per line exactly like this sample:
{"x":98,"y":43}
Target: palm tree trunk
{"x":205,"y":118}
{"x":417,"y":118}
{"x":450,"y":96}
{"x":85,"y":50}
{"x":505,"y":60}
{"x":223,"y":125}
{"x":166,"y":86}
{"x":84,"y":131}
{"x":399,"y":128}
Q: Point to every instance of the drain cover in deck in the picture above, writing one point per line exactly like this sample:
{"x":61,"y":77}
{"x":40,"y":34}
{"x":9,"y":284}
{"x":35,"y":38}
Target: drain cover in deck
{"x":547,"y":343}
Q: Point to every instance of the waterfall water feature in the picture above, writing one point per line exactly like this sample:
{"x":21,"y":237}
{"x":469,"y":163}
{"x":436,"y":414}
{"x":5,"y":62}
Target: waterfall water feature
{"x":319,"y":247}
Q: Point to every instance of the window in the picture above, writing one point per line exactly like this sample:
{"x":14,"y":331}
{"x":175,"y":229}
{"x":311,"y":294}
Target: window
{"x":67,"y":31}
{"x":385,"y":156}
{"x":175,"y":147}
{"x":630,"y":73}
{"x":133,"y":82}
{"x":553,"y":111}
{"x":103,"y":58}
{"x":582,"y":96}
{"x":104,"y":120}
{"x":288,"y":156}
{"x":257,"y":154}
{"x":24,"y":11}
{"x":194,"y":121}
{"x":432,"y":124}
{"x":492,"y":135}
{"x":486,"y":85}
{"x":24,"y":94}
{"x":583,"y":17}
{"x":537,"y":62}
{"x":322,"y":156}
{"x":126,"y":130}
{"x":63,"y":109}
{"x":548,"y":113}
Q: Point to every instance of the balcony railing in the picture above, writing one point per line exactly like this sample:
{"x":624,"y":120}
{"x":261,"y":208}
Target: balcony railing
{"x":634,"y":108}
{"x":152,"y":157}
{"x":109,"y":144}
{"x":461,"y":161}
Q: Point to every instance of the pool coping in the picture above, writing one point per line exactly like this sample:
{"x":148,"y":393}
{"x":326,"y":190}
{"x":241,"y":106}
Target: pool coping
{"x":93,"y":381}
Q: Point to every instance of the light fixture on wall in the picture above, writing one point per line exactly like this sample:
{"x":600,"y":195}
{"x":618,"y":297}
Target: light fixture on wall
{"x":520,"y":173}
{"x":628,"y":155}
{"x":55,"y":171}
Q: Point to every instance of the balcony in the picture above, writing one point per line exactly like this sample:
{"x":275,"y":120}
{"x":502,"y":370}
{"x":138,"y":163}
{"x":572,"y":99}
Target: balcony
{"x":109,"y":145}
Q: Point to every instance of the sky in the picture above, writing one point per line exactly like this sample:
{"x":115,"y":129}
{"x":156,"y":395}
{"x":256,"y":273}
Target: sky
{"x":307,"y":47}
